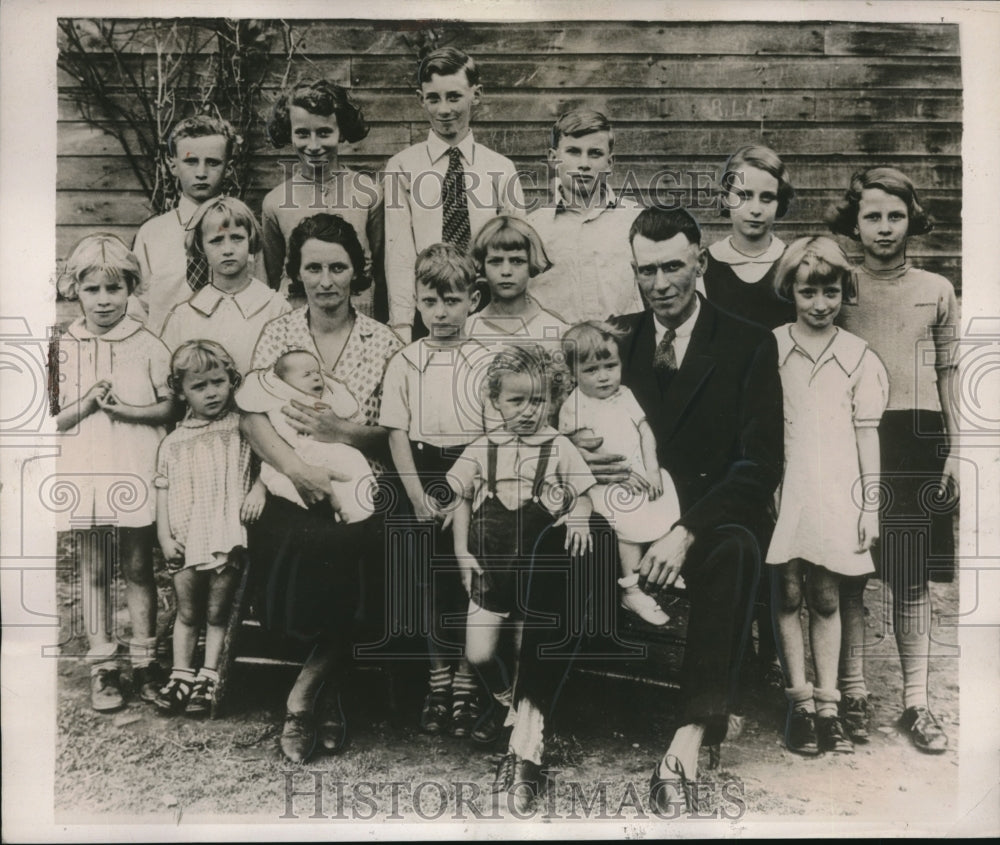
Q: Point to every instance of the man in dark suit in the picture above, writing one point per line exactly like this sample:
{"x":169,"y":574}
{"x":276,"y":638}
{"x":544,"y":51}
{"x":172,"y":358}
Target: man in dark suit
{"x":709,"y":385}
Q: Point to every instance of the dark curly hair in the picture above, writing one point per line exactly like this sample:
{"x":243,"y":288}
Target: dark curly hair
{"x":333,"y":229}
{"x":843,"y":217}
{"x":317,"y":96}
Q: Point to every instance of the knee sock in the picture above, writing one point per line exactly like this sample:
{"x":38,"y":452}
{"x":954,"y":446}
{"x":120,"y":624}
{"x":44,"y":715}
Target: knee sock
{"x":801,"y":698}
{"x":826,"y":701}
{"x":527,"y":740}
{"x":911,"y":618}
{"x":463,"y":691}
{"x":142,"y":651}
{"x":102,"y":656}
{"x":851,"y":674}
{"x":440,"y":679}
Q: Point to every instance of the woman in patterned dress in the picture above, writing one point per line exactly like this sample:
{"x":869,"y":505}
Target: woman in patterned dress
{"x":307,"y":557}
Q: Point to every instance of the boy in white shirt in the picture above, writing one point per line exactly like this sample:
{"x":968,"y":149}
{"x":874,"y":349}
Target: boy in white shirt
{"x":585,"y":226}
{"x":442,"y":189}
{"x":199,"y":151}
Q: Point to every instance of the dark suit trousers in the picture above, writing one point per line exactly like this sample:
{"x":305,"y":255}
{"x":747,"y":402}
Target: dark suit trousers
{"x":721,"y":573}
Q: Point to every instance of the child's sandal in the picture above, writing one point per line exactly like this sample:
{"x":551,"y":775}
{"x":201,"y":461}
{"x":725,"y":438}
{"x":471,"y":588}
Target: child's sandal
{"x":202,"y":695}
{"x":174,"y":694}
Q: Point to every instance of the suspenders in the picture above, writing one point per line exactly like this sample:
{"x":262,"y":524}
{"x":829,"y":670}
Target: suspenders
{"x":540,"y":470}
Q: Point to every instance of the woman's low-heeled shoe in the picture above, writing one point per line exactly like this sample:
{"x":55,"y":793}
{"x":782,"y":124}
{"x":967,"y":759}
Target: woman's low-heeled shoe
{"x":332,"y":727}
{"x":298,"y":736}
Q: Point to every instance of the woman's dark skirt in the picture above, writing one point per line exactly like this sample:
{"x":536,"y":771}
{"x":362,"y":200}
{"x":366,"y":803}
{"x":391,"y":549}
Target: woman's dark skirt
{"x":307,"y":568}
{"x":916,"y":523}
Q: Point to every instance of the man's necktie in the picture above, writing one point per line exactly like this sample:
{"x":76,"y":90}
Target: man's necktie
{"x":197,"y":272}
{"x":455,"y":227}
{"x":664,"y":359}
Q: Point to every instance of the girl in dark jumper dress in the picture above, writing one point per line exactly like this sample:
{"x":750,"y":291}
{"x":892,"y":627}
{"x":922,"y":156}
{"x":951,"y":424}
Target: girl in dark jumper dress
{"x":739,"y":278}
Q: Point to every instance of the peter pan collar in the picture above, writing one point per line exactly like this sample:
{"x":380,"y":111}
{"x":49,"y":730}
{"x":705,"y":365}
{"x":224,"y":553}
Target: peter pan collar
{"x":725,"y":252}
{"x":436,"y":148}
{"x":252,"y":299}
{"x":126,"y":327}
{"x":846,"y":349}
{"x":501,"y":436}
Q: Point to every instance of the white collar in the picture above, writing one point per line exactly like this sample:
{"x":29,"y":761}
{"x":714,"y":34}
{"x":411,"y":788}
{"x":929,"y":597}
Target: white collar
{"x":436,"y":148}
{"x":685,"y":328}
{"x":421,"y":352}
{"x":126,"y":327}
{"x":845,"y":348}
{"x":186,"y":207}
{"x":254,"y":297}
{"x":725,"y":252}
{"x":612,"y":200}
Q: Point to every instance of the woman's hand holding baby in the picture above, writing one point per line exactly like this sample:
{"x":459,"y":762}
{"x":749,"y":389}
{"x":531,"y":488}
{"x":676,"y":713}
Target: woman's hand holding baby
{"x":319,"y":421}
{"x":313,"y":483}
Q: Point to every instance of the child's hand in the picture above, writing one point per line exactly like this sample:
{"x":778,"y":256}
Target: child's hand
{"x":173,"y":553}
{"x":655,"y":482}
{"x":636,"y":483}
{"x":423,"y":508}
{"x":949,"y":478}
{"x":91,"y":400}
{"x":578,"y":536}
{"x":867,"y":530}
{"x":253,"y":503}
{"x":467,"y":566}
{"x":114,"y":407}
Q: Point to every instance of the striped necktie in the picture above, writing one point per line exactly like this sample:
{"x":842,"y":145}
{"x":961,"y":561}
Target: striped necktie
{"x":455,"y":228}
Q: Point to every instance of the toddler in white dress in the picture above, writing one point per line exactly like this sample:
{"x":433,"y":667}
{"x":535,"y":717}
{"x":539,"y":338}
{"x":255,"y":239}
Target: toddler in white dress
{"x":643,"y":508}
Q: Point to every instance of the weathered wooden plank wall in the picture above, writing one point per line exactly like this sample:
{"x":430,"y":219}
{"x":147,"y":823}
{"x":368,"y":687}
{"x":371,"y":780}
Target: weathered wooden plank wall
{"x":831,"y":98}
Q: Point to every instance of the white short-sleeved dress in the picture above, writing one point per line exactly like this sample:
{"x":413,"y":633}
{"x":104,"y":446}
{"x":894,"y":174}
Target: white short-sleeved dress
{"x":635,"y":517}
{"x":822,"y":493}
{"x":105,"y":467}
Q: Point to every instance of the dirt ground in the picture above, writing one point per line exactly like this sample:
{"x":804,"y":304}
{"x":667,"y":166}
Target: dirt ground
{"x":139,"y":767}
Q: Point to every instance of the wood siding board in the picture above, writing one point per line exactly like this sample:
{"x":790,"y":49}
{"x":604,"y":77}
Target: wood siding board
{"x":622,"y":108}
{"x":742,"y":72}
{"x":900,"y":39}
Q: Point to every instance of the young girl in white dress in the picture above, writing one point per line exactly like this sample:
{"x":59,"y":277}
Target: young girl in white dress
{"x":111,"y":403}
{"x":643,"y":508}
{"x":204,"y":499}
{"x":835,"y":390}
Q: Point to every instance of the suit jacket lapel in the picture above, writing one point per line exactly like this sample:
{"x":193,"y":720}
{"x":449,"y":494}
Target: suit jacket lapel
{"x":698,"y":363}
{"x":642,"y":377}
